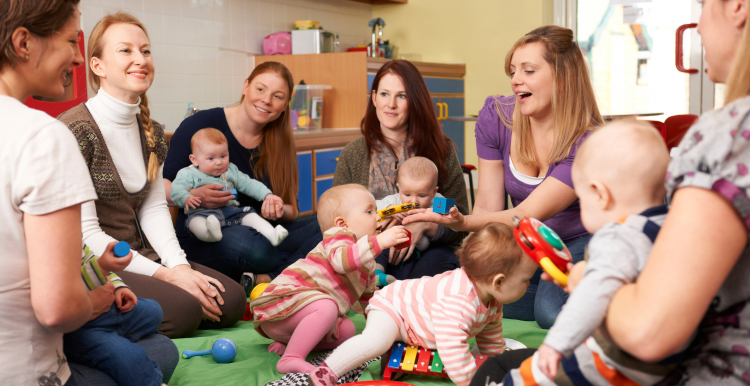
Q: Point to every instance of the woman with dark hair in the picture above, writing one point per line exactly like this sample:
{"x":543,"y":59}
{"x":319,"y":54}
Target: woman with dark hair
{"x":400,"y":123}
{"x":44,"y":183}
{"x":261,"y":145}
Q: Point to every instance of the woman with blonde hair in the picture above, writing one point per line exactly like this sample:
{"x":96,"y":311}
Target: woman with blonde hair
{"x":260,"y":141}
{"x":124,"y":150}
{"x":526,"y":144}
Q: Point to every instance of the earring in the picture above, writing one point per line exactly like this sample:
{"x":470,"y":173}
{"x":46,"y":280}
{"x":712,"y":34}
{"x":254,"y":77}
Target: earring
{"x":26,"y":57}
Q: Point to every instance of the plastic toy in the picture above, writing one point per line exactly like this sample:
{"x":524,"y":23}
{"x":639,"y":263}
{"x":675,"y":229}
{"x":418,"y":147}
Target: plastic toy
{"x":405,"y":244}
{"x":223,"y":350}
{"x":258,"y":290}
{"x":233,"y":192}
{"x":403,"y":358}
{"x":442,"y":205}
{"x":121,"y":249}
{"x":543,"y":246}
{"x":390,"y":211}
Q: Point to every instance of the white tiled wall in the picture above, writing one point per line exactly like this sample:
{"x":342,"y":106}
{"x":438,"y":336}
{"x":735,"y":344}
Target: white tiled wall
{"x":186,"y":37}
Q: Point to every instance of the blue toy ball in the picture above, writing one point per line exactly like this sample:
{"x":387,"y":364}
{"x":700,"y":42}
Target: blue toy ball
{"x":224,"y":350}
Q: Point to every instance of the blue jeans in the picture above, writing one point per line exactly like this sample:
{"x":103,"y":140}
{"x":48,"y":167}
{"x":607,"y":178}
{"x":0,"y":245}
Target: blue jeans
{"x":544,"y":300}
{"x":107,"y":343}
{"x":243,"y":249}
{"x":433,"y":261}
{"x":158,"y":347}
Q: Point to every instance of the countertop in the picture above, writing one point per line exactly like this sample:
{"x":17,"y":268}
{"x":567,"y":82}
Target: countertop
{"x":318,"y":139}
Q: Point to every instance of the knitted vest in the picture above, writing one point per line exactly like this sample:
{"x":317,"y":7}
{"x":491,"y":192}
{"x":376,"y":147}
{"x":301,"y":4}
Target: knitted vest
{"x":115,"y":207}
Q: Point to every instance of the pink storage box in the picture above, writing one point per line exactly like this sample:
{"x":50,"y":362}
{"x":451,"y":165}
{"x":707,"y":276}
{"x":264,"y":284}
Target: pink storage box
{"x":278,"y":43}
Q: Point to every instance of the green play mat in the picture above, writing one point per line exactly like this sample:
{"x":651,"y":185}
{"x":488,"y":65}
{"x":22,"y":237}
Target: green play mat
{"x":254,"y":365}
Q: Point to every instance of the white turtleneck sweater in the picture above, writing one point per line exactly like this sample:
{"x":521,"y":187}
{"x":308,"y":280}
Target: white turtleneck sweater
{"x":119,"y":126}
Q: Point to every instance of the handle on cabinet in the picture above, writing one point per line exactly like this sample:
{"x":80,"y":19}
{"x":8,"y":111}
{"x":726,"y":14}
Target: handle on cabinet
{"x":440,"y":110}
{"x":445,"y":110}
{"x":337,"y":159}
{"x":678,"y":49}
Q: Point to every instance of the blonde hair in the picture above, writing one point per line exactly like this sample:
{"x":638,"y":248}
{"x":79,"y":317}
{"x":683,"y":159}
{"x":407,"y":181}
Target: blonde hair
{"x":574,"y":105}
{"x":95,"y":50}
{"x":278,"y":154}
{"x":738,"y":82}
{"x":490,"y":251}
{"x":418,"y":168}
{"x":329,"y":205}
{"x":209,"y":134}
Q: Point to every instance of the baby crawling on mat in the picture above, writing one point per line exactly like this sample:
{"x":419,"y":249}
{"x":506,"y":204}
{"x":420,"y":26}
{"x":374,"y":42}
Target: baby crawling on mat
{"x":445,"y":311}
{"x":303,"y":308}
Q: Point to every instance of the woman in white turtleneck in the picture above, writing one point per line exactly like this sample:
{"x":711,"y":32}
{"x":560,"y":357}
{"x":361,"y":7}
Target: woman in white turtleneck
{"x":124,"y":150}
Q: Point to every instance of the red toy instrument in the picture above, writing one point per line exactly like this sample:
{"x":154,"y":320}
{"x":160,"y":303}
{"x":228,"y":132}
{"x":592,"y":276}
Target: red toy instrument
{"x":543,"y":246}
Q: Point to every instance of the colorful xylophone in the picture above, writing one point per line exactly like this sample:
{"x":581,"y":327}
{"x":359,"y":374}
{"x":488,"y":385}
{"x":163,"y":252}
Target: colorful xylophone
{"x":403,"y":358}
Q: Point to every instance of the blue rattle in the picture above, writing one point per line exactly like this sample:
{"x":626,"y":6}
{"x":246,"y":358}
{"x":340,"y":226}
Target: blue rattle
{"x":224,"y":351}
{"x":121,"y":249}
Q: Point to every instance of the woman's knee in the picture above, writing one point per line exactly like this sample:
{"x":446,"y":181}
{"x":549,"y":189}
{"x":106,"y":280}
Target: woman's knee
{"x":234,"y":299}
{"x":548,"y":304}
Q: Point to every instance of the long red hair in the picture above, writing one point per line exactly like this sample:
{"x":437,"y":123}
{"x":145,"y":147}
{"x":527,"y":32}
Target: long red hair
{"x":425,"y":135}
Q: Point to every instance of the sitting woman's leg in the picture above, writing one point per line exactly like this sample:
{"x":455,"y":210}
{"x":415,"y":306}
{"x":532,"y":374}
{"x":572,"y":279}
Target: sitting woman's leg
{"x":234,"y":300}
{"x":550,"y":298}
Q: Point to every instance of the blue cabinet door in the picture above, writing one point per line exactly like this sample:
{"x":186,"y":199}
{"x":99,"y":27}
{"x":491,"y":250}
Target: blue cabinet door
{"x":326,"y":161}
{"x":305,"y":192}
{"x":321,"y":185}
{"x":455,"y":130}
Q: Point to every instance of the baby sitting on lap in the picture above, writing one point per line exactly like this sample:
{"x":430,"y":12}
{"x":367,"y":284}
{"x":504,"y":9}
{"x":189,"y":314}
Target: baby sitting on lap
{"x":211,"y":165}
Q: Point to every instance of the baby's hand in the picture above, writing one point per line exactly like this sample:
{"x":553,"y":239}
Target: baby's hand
{"x":192,"y":202}
{"x":548,"y":361}
{"x":125,"y":299}
{"x":108,"y":262}
{"x":273,"y":197}
{"x":393,"y":236}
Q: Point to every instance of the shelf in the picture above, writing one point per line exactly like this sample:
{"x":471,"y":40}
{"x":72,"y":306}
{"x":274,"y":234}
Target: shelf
{"x":317,"y":139}
{"x":425,"y":68}
{"x":376,"y":2}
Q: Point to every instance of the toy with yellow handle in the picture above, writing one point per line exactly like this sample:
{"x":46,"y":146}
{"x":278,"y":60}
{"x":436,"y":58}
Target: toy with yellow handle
{"x":544,"y":246}
{"x":258,"y":290}
{"x":390,"y":211}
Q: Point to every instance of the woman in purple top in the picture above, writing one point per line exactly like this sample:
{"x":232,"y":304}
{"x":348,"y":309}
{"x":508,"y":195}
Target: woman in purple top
{"x":526,"y":144}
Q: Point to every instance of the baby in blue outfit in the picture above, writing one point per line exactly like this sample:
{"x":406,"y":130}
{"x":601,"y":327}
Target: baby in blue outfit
{"x":211,"y":165}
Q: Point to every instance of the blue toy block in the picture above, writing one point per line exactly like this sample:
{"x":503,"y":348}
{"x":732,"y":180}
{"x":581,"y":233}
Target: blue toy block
{"x":231,"y":191}
{"x":121,"y":249}
{"x":442,"y":205}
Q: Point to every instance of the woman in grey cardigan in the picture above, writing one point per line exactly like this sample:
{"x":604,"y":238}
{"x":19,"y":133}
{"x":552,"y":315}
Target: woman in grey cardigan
{"x":400,"y":123}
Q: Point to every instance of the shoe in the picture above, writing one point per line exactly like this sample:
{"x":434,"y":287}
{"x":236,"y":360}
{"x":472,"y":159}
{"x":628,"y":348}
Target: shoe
{"x":323,"y":376}
{"x":248,"y":282}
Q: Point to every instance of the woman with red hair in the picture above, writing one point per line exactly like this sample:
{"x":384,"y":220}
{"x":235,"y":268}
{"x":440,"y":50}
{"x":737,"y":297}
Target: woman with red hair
{"x":400,"y":123}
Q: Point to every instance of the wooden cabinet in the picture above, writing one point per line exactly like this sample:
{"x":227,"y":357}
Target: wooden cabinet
{"x":316,"y":170}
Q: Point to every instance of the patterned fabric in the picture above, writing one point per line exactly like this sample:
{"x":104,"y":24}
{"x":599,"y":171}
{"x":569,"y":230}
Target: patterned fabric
{"x":300,"y":379}
{"x":92,"y":275}
{"x":442,"y":313}
{"x":340,"y":268}
{"x":715,"y":155}
{"x":115,"y":206}
{"x":384,"y":169}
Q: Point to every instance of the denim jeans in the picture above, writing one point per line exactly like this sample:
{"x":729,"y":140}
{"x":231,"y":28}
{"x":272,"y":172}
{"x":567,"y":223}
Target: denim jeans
{"x":433,"y":261}
{"x":544,"y":300}
{"x":108,"y":343}
{"x":243,"y":249}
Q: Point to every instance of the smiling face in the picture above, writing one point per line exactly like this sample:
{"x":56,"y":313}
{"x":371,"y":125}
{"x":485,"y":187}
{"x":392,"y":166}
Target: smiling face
{"x":421,"y":191}
{"x":54,"y":57}
{"x":720,"y":39}
{"x":391,"y":103}
{"x":532,"y":80}
{"x":362,"y":217}
{"x":211,"y":158}
{"x":265,"y":97}
{"x":125,"y":67}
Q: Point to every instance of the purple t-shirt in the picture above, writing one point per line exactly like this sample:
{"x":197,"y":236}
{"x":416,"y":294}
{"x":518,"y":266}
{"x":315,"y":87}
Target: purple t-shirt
{"x":493,"y":143}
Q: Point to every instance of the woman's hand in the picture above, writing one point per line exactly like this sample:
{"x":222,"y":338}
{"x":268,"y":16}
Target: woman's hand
{"x":273,"y":207}
{"x":101,"y":299}
{"x":417,"y":230}
{"x":212,"y":196}
{"x":454,"y":219}
{"x":196,"y":284}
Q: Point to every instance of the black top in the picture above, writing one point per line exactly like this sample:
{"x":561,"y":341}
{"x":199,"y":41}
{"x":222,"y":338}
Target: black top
{"x":179,"y":152}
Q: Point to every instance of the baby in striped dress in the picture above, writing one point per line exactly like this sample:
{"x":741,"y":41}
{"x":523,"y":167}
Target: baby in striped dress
{"x":303,"y":308}
{"x":443,"y":312}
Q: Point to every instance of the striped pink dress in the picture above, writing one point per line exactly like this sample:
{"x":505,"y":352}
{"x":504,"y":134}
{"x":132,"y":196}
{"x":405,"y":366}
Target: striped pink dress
{"x":443,"y":312}
{"x":340,"y":268}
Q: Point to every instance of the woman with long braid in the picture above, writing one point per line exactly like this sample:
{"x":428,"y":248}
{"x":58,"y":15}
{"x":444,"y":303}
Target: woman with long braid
{"x":124,"y":150}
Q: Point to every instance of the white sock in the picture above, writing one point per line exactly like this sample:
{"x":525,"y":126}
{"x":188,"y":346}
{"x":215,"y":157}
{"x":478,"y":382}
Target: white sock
{"x":379,"y":334}
{"x":206,"y":229}
{"x":274,"y":235}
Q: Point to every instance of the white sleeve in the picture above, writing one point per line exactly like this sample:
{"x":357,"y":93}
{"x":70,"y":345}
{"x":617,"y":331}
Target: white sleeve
{"x":97,"y":241}
{"x":393,"y":199}
{"x":157,"y":224}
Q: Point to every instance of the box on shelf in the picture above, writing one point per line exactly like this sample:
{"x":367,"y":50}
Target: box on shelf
{"x":307,"y":106}
{"x":306,"y":24}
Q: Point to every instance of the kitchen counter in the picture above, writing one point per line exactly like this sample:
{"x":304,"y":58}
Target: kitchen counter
{"x":317,"y":139}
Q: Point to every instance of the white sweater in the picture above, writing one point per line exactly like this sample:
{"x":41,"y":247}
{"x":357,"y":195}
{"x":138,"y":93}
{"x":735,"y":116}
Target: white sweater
{"x":119,"y":126}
